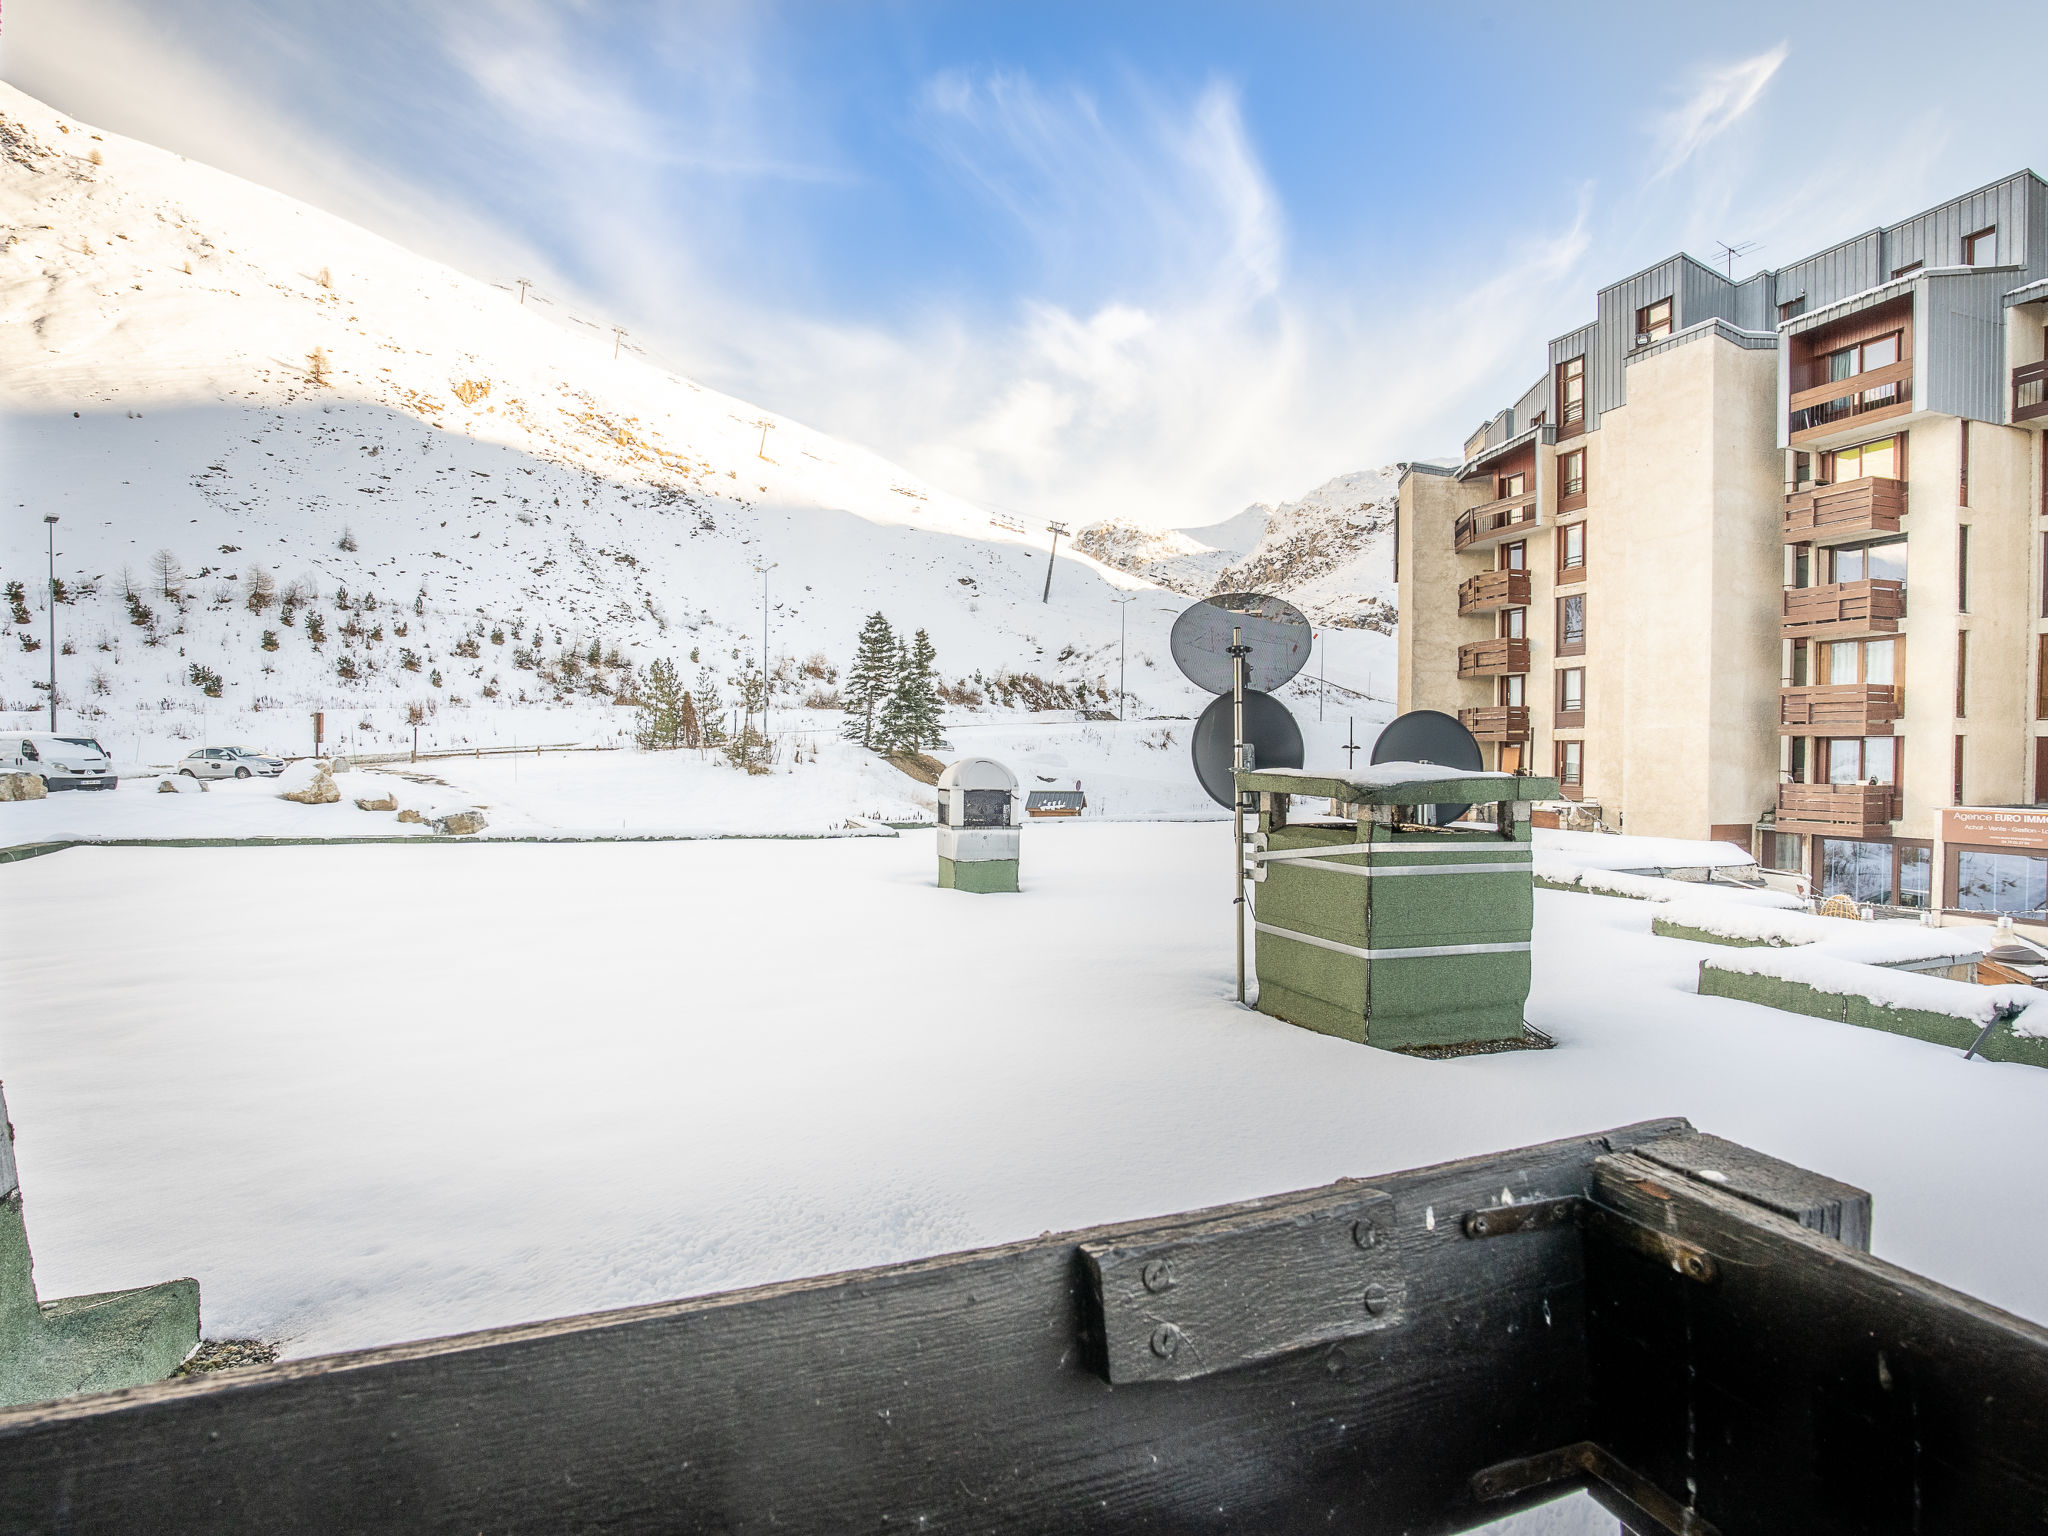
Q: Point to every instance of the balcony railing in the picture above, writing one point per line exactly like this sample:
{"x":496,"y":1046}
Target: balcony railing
{"x":1847,"y":810}
{"x":1827,"y":513}
{"x":1843,"y":609}
{"x":1491,"y":590}
{"x":1871,"y":396}
{"x":1837,"y":709}
{"x":1492,"y":521}
{"x":1497,"y":722}
{"x":1493,"y":658}
{"x":2030,"y":392}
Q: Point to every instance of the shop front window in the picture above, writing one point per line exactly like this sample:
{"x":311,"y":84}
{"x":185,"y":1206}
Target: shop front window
{"x":1860,"y":871}
{"x":1916,"y":876}
{"x":2001,"y":882}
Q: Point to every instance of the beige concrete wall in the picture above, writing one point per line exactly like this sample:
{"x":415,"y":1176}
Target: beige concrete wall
{"x":1683,"y":609}
{"x":1427,"y":589}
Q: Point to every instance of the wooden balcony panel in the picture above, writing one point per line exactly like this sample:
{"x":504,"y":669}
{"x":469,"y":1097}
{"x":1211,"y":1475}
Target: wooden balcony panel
{"x":1837,"y":709}
{"x":1891,"y":385}
{"x":1492,"y":521}
{"x":1845,"y":510}
{"x":1842,"y":610}
{"x":1493,"y":658}
{"x":1492,"y":590}
{"x":1497,"y":722}
{"x":2030,"y":392}
{"x":1844,"y":810}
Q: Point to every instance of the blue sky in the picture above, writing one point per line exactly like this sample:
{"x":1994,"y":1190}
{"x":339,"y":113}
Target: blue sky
{"x":1079,"y":260}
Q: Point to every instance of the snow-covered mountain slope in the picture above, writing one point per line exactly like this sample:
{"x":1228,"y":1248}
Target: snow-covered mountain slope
{"x":1331,"y":552}
{"x":463,"y":494}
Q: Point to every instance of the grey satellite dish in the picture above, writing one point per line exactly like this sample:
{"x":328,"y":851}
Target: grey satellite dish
{"x":1269,"y":730}
{"x":1430,"y":736}
{"x":1274,"y":629}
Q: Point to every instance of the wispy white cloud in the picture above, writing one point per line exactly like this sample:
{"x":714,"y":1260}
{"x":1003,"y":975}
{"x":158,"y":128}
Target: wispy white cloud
{"x":1718,"y":101}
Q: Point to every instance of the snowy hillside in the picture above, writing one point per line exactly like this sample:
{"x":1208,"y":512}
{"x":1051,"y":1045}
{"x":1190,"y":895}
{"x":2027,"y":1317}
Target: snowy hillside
{"x":221,"y":391}
{"x":1331,"y":552}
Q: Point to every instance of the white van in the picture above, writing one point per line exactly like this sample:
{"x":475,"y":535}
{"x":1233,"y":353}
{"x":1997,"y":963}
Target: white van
{"x":61,"y":762}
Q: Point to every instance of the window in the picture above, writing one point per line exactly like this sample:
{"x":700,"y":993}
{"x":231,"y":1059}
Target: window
{"x":1956,"y":774}
{"x":1792,"y":309}
{"x":1869,"y":662}
{"x":1963,"y":463}
{"x":1571,"y":391}
{"x":1907,"y":270}
{"x":1860,"y":871}
{"x":1784,"y":850}
{"x":1884,"y":561}
{"x":1981,"y":249}
{"x":1571,"y":696}
{"x":1862,"y":358}
{"x":1571,"y":476}
{"x":2001,"y":882}
{"x":1571,"y":625}
{"x":1571,"y":766}
{"x":1963,"y":569}
{"x":1962,"y":673}
{"x":1512,"y":485}
{"x":1513,"y":690}
{"x":1802,"y":673}
{"x":1885,"y":457}
{"x":1653,"y":321}
{"x":2041,"y":677}
{"x":1514,"y":623}
{"x":1511,"y":757}
{"x":1571,"y":552}
{"x":1916,"y":876}
{"x":1515,"y":556}
{"x":1862,"y":759}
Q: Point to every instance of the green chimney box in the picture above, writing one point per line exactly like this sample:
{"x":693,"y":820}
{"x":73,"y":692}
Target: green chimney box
{"x":1378,"y":926}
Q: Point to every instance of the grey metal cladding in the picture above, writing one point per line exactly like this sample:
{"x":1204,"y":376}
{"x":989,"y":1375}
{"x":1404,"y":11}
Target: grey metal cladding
{"x":1535,"y":402}
{"x":1571,"y":344}
{"x":1935,"y":238}
{"x":1963,"y":350}
{"x":1703,"y":294}
{"x":1615,"y":332}
{"x":1756,"y":306}
{"x":1834,"y":273}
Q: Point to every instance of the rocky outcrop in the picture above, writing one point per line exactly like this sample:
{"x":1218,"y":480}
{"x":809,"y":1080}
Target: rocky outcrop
{"x":23,"y":786}
{"x":460,"y":823}
{"x":322,"y":791}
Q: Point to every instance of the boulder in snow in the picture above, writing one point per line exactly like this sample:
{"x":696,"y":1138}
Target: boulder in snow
{"x":412,"y":816}
{"x":460,"y":823}
{"x":23,"y":786}
{"x":180,"y":784}
{"x":382,"y":803}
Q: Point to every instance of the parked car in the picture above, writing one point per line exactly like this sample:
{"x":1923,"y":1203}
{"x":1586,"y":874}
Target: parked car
{"x":61,"y":762}
{"x":230,"y":763}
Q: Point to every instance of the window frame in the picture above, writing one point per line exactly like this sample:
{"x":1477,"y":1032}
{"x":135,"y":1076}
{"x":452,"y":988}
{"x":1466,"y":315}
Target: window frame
{"x":1564,"y":717}
{"x":1564,"y":646}
{"x":1571,"y":571}
{"x":1647,"y":323}
{"x":1970,"y":243}
{"x":1568,"y":754}
{"x":1568,"y":499}
{"x":1571,"y":413}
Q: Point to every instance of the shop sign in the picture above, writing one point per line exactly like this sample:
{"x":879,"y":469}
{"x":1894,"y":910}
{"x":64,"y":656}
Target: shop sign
{"x":2003,"y":827}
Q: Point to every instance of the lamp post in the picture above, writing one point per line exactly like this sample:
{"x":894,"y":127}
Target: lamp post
{"x":50,"y":523}
{"x":1055,"y":529}
{"x":1123,"y":626}
{"x":764,"y":570}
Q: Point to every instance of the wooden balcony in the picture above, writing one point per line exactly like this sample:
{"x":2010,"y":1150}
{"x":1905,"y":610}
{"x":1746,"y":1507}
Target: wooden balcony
{"x":1493,"y":658}
{"x":1840,"y":810}
{"x":1865,"y":399}
{"x":1492,"y":521}
{"x":2030,"y":392}
{"x":1497,"y":722}
{"x":1837,"y":709}
{"x":1491,"y":590}
{"x":1843,"y":610}
{"x":1848,"y":509}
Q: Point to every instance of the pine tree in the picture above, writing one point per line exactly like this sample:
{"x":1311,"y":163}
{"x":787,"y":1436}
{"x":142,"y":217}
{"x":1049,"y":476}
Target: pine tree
{"x":919,"y":685}
{"x":896,"y":731}
{"x":748,"y":748}
{"x":710,"y":710}
{"x":870,"y":680}
{"x":659,"y":727}
{"x":688,"y":726}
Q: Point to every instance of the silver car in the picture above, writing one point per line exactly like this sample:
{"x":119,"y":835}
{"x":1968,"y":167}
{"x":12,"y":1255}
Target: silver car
{"x":230,"y":763}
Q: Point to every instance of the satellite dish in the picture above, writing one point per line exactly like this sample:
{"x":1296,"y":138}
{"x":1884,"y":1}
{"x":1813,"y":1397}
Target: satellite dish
{"x":1269,"y":730}
{"x":1430,"y":736}
{"x":1274,"y":629}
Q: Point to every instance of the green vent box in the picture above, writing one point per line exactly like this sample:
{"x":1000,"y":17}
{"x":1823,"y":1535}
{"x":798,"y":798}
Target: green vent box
{"x":1378,"y":926}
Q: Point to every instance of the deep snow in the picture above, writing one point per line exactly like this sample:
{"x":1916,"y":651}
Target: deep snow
{"x":369,"y":1094}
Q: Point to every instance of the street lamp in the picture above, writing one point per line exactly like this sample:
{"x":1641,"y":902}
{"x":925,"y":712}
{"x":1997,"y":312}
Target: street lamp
{"x":1123,"y":624}
{"x":764,"y":570}
{"x":50,"y":523}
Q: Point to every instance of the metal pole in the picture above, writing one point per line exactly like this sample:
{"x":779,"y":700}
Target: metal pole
{"x":1237,"y":653}
{"x":1123,"y":635}
{"x":1055,"y":529}
{"x":50,"y":523}
{"x":1322,"y":677}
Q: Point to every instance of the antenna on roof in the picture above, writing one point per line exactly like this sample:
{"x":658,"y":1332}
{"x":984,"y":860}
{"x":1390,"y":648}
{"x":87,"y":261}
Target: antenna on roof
{"x":1728,"y":252}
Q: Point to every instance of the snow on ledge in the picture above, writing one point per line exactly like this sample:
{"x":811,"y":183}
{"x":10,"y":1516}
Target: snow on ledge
{"x":1827,"y":972}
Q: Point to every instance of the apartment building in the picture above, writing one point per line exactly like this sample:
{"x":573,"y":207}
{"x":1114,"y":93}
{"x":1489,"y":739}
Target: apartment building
{"x":1767,"y":561}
